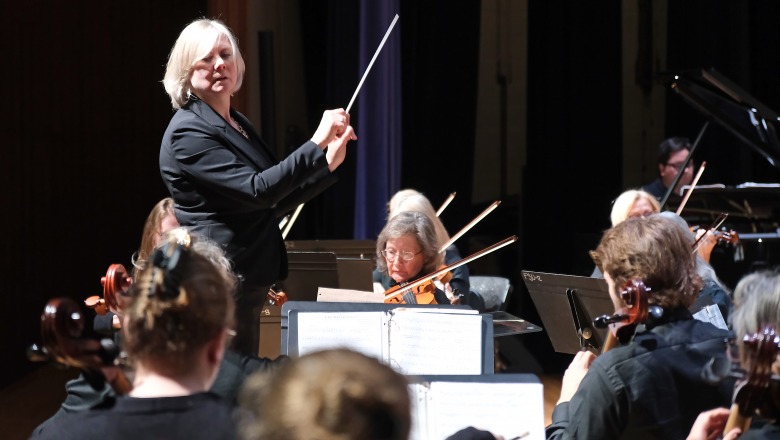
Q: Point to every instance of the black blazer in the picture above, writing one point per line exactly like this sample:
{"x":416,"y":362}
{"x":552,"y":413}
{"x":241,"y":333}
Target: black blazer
{"x":231,"y":189}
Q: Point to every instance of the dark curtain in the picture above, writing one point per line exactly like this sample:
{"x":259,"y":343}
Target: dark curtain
{"x":378,"y":109}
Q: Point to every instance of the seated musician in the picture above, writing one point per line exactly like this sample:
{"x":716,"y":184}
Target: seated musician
{"x":406,"y":249}
{"x":411,"y":200}
{"x":175,"y":329}
{"x":714,"y":290}
{"x":651,"y":386}
{"x":331,"y":394}
{"x":672,"y":153}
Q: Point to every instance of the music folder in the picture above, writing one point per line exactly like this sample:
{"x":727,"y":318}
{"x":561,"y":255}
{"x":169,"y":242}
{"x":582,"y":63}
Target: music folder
{"x":567,"y":305}
{"x":510,"y":405}
{"x":413,"y":339}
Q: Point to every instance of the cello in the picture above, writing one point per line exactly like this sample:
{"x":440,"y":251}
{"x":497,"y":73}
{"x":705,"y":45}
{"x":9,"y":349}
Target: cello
{"x":623,"y":324}
{"x":760,"y":352}
{"x":62,"y":327}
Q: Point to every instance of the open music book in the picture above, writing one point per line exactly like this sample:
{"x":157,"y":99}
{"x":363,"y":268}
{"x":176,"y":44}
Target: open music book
{"x":511,"y":405}
{"x":412,"y":340}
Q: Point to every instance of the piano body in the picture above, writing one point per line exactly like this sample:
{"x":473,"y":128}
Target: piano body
{"x":753,"y":208}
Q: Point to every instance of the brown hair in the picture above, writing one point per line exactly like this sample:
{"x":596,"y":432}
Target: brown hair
{"x":179,"y":303}
{"x":656,"y":251}
{"x":151,"y":231}
{"x":333,"y":394}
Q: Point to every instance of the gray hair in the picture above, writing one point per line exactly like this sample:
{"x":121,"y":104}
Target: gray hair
{"x":757,"y":303}
{"x":194,"y":42}
{"x":416,"y":224}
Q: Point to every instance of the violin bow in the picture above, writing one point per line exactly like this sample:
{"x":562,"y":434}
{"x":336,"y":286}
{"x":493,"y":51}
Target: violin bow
{"x":289,"y":224}
{"x":690,"y":190}
{"x":424,"y":279}
{"x":684,"y":164}
{"x":371,"y":63}
{"x":445,"y":204}
{"x":716,"y":224}
{"x":471,"y":224}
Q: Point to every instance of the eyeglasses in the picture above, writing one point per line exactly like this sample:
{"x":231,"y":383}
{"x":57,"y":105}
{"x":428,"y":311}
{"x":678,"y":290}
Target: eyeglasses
{"x":391,"y":255}
{"x":677,"y":166}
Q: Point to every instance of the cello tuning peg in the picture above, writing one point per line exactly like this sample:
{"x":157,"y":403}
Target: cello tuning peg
{"x":37,"y":353}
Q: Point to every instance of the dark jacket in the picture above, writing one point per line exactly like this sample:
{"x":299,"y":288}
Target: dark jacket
{"x":232,"y":189}
{"x":652,"y":388}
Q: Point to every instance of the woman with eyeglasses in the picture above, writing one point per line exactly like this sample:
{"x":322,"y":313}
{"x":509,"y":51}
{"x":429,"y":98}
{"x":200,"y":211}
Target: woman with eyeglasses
{"x":406,"y":249}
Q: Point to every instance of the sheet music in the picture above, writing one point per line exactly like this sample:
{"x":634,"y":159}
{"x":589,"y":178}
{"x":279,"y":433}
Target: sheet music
{"x":435,"y":343}
{"x":359,"y":331}
{"x":510,"y":409}
{"x":711,"y":314}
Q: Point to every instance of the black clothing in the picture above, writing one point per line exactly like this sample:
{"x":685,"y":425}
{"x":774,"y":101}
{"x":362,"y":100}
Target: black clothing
{"x":472,"y":433}
{"x":656,"y":188}
{"x":650,"y":388}
{"x":232,"y":189}
{"x":199,"y":416}
{"x":770,"y":431}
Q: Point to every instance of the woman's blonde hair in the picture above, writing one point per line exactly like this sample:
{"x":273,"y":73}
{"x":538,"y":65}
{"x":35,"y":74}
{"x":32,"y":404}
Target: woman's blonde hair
{"x":411,"y":200}
{"x":333,"y":394}
{"x":179,"y":302}
{"x":625,"y":202}
{"x":195,"y":42}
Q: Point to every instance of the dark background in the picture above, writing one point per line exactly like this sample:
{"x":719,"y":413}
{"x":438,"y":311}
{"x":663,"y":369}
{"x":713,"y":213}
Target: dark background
{"x":85,"y":113}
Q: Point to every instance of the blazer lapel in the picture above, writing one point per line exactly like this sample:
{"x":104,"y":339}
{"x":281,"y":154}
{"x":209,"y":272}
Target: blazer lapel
{"x":240,"y":145}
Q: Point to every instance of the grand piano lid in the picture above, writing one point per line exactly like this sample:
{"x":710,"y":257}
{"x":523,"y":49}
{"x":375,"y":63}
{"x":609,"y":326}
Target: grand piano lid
{"x":719,"y":98}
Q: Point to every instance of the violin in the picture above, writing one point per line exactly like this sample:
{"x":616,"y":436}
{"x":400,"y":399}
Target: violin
{"x":62,"y":325}
{"x":749,"y":392}
{"x":116,"y":284}
{"x":624,"y":323}
{"x":420,"y":291}
{"x":276,"y":297}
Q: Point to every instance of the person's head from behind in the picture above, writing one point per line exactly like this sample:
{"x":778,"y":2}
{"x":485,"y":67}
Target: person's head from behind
{"x":159,"y":221}
{"x":671,"y":156}
{"x":411,"y":200}
{"x":633,"y":203}
{"x":757,"y":305}
{"x":652,"y":249}
{"x":180,"y":313}
{"x":333,"y":394}
{"x":407,"y":245}
{"x":204,"y":60}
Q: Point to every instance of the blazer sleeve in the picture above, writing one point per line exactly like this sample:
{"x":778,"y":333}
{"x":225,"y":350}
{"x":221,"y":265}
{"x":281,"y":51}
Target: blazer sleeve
{"x":208,"y":159}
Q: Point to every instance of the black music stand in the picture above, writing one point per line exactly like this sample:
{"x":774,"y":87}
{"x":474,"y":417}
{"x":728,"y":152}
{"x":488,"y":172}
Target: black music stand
{"x":567,"y":305}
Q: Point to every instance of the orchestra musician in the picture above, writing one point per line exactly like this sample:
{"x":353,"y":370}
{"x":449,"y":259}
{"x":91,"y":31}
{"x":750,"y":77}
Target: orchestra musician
{"x":175,"y":328}
{"x":225,"y":182}
{"x":633,"y":203}
{"x":756,"y":305}
{"x":411,"y":200}
{"x":652,"y":386}
{"x":672,"y":153}
{"x":406,"y":249}
{"x":713,"y":288}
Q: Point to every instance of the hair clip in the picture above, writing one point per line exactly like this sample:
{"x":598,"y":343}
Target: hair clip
{"x":169,"y":258}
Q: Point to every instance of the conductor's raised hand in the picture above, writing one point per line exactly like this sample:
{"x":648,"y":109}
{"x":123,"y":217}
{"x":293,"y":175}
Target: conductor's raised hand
{"x":337,"y":149}
{"x":332,"y":126}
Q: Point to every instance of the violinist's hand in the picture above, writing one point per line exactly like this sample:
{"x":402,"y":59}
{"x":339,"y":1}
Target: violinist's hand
{"x":574,"y":374}
{"x":709,"y":426}
{"x":706,"y":244}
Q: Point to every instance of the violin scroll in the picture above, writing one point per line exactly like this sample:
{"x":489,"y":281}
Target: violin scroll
{"x":116,"y":283}
{"x":624,"y":322}
{"x":62,"y":325}
{"x":276,"y":297}
{"x":761,"y":350}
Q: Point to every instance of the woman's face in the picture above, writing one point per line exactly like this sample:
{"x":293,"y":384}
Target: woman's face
{"x":215,"y":74}
{"x":641,"y":208}
{"x":399,"y":269}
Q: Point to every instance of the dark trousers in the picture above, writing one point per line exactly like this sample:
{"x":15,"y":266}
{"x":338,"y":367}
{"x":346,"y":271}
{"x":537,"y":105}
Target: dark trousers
{"x":249,"y":304}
